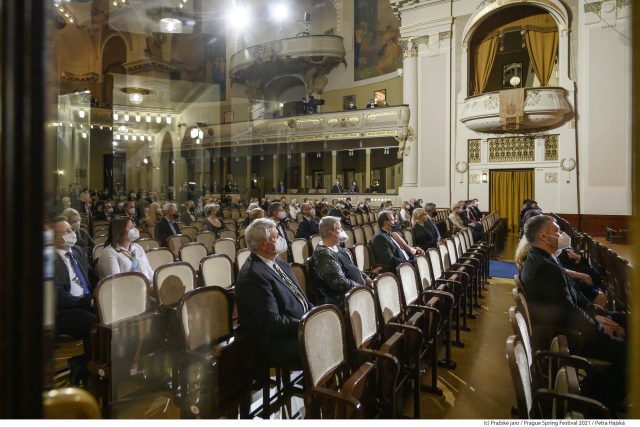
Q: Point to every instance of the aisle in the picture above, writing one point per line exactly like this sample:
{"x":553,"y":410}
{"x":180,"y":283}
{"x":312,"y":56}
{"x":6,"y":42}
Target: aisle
{"x":480,"y":386}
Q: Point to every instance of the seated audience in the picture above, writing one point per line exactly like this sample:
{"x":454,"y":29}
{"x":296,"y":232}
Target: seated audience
{"x":387,"y":252}
{"x":337,"y":187}
{"x":120,"y":254}
{"x":294,"y":209}
{"x":459,"y":225}
{"x":333,"y":273}
{"x":424,"y":231}
{"x":152,"y":217}
{"x":187,"y":212}
{"x":308,"y":226}
{"x":557,"y":307}
{"x":74,"y":303}
{"x":269,"y":298}
{"x":167,"y":225}
{"x":84,"y":240}
{"x":278,"y":215}
{"x":212,"y":223}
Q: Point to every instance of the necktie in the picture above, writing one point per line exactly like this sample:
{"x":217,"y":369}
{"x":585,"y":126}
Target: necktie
{"x":79,"y":274}
{"x":404,"y":254}
{"x":292,"y":287}
{"x":135,"y":265}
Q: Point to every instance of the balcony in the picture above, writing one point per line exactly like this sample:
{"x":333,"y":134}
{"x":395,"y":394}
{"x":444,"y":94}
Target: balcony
{"x":387,"y":122}
{"x":544,"y":108}
{"x":309,"y":56}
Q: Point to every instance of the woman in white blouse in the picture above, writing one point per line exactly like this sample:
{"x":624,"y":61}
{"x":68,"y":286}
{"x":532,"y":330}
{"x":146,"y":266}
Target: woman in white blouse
{"x":120,"y":254}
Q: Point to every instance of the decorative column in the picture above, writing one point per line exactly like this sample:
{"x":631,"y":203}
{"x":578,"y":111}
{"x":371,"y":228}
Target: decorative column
{"x":248,"y":184}
{"x":275,"y":171}
{"x":303,"y":170}
{"x":367,"y":169}
{"x":410,"y":97}
{"x":225,"y":171}
{"x":334,"y":168}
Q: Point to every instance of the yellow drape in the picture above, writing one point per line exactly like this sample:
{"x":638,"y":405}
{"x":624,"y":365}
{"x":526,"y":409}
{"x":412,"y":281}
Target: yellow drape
{"x":485,"y":55}
{"x":542,"y":47}
{"x":508,"y":189}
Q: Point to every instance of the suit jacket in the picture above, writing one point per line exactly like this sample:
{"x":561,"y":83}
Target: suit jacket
{"x":337,"y":189}
{"x":456,"y":221}
{"x":386,"y":252}
{"x":163,"y":231}
{"x":476,"y":213}
{"x":63,"y":282}
{"x":354,"y":189}
{"x":269,"y":312}
{"x":425,"y":235}
{"x":553,"y":300}
{"x":307,"y":228}
{"x":281,"y":189}
{"x":185,"y":217}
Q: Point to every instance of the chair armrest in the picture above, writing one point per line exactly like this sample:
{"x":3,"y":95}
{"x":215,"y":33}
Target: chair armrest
{"x":564,"y":360}
{"x":544,"y":396}
{"x":344,"y":405}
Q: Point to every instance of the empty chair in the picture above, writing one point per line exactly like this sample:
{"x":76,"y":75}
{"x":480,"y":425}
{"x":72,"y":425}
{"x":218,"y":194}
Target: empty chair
{"x":332,"y":389}
{"x":376,"y":228}
{"x":170,"y":291}
{"x":363,"y":259}
{"x":190,"y":231}
{"x":408,"y":236}
{"x":198,"y":224}
{"x":358,"y":235}
{"x":100,"y":239}
{"x":217,"y":270}
{"x":359,"y":219}
{"x":369,"y":343}
{"x":300,"y":250}
{"x":193,"y":253}
{"x":368,"y":232}
{"x":315,"y":239}
{"x":148,"y":244}
{"x":235,"y":214}
{"x":226,"y":247}
{"x":159,"y":257}
{"x":230,"y":224}
{"x":206,"y":238}
{"x":241,"y":256}
{"x":227,"y":233}
{"x":97,"y":251}
{"x":213,"y":381}
{"x":175,"y":242}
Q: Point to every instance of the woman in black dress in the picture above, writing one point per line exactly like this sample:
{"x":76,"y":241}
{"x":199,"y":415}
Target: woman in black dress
{"x":212,"y":223}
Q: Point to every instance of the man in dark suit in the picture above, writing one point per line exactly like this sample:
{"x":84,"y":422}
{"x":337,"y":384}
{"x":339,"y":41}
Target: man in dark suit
{"x":557,"y":307}
{"x":354,"y":187}
{"x":476,"y":210}
{"x":307,"y":227}
{"x":74,"y":307}
{"x":167,"y":226}
{"x":337,"y":187}
{"x":269,"y":297}
{"x":347,"y":204}
{"x":430,"y":225}
{"x":281,"y":189}
{"x":387,"y":252}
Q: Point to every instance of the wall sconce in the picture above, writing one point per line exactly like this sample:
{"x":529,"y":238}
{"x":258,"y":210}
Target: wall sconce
{"x":485,"y":177}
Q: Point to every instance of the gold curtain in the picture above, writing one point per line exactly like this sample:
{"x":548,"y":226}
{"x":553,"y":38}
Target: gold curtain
{"x":542,"y":47}
{"x":485,"y":55}
{"x":508,"y":189}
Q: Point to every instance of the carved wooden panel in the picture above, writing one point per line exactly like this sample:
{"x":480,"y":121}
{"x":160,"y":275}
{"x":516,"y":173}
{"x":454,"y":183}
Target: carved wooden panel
{"x":551,"y":147}
{"x":516,"y":149}
{"x":473,"y":151}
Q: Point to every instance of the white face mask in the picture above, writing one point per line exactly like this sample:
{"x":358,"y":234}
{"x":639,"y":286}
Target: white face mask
{"x":70,"y":239}
{"x":564,"y":241}
{"x":342,"y":236}
{"x":133,"y":234}
{"x":282,"y":215}
{"x":281,"y":245}
{"x":132,"y":211}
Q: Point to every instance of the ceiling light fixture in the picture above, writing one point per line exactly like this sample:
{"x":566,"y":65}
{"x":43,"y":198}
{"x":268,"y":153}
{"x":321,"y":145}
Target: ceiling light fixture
{"x":170,"y":25}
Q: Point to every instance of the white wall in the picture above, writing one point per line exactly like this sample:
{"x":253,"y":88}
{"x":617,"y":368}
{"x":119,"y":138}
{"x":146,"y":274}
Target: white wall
{"x":604,"y":126}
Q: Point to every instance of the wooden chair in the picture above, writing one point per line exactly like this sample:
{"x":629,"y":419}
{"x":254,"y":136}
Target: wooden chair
{"x":96,"y":252}
{"x":363,"y":260}
{"x":148,"y":244}
{"x":198,"y":224}
{"x":100,"y":239}
{"x":332,"y":389}
{"x":300,"y":250}
{"x":193,"y":253}
{"x":225,"y":246}
{"x":206,"y":238}
{"x":190,"y":231}
{"x":358,"y":235}
{"x":241,"y":257}
{"x":315,"y":239}
{"x":217,"y":270}
{"x":351,"y":241}
{"x":300,"y":270}
{"x":214,"y":382}
{"x":159,"y":257}
{"x":175,"y":242}
{"x":368,"y":232}
{"x":227,"y":233}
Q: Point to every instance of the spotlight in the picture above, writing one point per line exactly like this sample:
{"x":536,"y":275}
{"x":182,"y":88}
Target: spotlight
{"x":84,"y":134}
{"x":115,"y":143}
{"x":145,"y":160}
{"x":194,"y":132}
{"x":81,"y":114}
{"x":158,"y":119}
{"x":126,"y":117}
{"x":170,"y":25}
{"x":138,"y":118}
{"x":115,"y":116}
{"x":279,"y":12}
{"x":168,"y":120}
{"x":239,"y":17}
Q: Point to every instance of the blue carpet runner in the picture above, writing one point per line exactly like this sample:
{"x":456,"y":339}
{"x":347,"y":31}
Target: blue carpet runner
{"x":502,"y":269}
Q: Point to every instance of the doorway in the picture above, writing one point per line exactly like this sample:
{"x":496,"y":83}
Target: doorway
{"x":507,"y":190}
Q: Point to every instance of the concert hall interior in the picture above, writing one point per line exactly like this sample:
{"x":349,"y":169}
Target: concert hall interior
{"x":303,"y":209}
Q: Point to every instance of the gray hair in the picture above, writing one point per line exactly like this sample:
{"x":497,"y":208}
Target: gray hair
{"x":69,"y":212}
{"x":208,"y":208}
{"x":166,"y":207}
{"x":273,"y":207}
{"x":258,"y":231}
{"x":327,"y":224}
{"x":534,"y":226}
{"x":429,"y":206}
{"x":253,"y":213}
{"x":252,"y":206}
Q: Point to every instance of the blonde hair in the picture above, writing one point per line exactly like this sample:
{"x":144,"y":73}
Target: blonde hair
{"x":152,"y":215}
{"x":521,"y":252}
{"x":417,"y":212}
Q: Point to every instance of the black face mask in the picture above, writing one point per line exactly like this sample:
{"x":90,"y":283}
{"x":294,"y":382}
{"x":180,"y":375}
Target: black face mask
{"x":433,"y":214}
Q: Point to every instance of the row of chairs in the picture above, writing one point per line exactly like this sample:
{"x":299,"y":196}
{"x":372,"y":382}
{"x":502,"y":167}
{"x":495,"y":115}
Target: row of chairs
{"x":548,"y":383}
